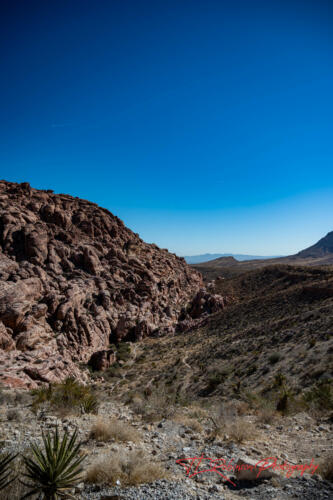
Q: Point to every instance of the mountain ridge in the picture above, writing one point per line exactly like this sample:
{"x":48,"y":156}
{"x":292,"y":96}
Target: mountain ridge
{"x":319,"y":254}
{"x":201,"y":258}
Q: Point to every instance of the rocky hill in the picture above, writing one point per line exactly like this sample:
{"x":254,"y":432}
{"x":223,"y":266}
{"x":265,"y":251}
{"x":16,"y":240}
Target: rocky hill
{"x":323,"y":248}
{"x":74,"y":279}
{"x":319,"y":254}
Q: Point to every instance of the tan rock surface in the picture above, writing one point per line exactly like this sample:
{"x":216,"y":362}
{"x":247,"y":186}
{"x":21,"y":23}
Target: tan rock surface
{"x":74,"y":279}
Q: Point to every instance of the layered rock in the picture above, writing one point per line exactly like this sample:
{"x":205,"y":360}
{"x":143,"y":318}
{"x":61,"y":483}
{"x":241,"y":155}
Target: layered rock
{"x":74,"y":279}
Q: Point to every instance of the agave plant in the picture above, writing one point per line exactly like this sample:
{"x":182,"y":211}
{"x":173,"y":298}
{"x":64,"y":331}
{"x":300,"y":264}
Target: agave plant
{"x":54,"y":470}
{"x":5,"y":472}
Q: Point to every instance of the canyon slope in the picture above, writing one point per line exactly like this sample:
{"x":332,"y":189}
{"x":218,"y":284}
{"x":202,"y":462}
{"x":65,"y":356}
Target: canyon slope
{"x":74,"y":279}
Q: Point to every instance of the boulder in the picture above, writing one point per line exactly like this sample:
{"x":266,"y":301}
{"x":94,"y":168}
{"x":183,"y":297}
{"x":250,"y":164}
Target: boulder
{"x":102,"y":360}
{"x":252,"y":470}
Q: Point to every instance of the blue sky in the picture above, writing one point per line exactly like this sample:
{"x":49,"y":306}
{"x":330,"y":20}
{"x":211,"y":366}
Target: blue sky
{"x":205,"y":125}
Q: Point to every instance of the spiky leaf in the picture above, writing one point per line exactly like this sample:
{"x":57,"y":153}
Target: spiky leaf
{"x":54,"y":469}
{"x":6,"y":476}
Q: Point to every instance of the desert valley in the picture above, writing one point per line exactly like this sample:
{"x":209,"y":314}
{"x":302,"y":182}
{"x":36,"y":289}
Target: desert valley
{"x":151,"y":362}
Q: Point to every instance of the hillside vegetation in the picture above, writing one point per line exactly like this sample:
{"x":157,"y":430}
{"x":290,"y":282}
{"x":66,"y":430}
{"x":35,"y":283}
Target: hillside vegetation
{"x":276,"y":333}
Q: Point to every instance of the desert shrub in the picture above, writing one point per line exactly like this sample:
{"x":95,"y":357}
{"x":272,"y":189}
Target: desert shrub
{"x":54,"y":469}
{"x":243,"y":408}
{"x":220,"y":415}
{"x":214,"y":381}
{"x":157,"y":404}
{"x":240,"y":430}
{"x":90,"y":404}
{"x":123,"y":351}
{"x":312,"y":342}
{"x":2,"y":396}
{"x":266,"y":415}
{"x":252,"y":369}
{"x":66,"y":397}
{"x":252,"y":399}
{"x":282,"y":403}
{"x":320,"y":396}
{"x":130,"y":468}
{"x":105,"y":430}
{"x":187,"y":421}
{"x":279,"y":379}
{"x":316,"y":374}
{"x":325,"y":468}
{"x":227,"y":424}
{"x":274,"y":358}
{"x":6,"y":396}
{"x":13,"y":415}
{"x":288,"y":402}
{"x":197,"y":412}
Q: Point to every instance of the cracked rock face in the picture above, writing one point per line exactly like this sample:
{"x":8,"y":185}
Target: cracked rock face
{"x":74,"y":279}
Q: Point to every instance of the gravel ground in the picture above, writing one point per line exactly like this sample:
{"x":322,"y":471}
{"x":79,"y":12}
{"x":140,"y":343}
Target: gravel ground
{"x":159,"y":490}
{"x":307,"y":489}
{"x":167,"y":441}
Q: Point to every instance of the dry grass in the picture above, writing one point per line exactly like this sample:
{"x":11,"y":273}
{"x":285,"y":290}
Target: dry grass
{"x":196,"y":411}
{"x":130,"y":468}
{"x":228,"y":425}
{"x":243,"y":408}
{"x":325,"y":468}
{"x":187,"y":421}
{"x":105,"y":430}
{"x":240,"y":430}
{"x":266,"y":416}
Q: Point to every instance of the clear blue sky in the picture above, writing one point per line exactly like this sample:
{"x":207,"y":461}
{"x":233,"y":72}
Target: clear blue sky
{"x":205,"y":125}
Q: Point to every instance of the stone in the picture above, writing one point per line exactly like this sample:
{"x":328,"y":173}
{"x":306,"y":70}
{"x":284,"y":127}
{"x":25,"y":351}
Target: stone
{"x":247,"y":469}
{"x":74,"y":279}
{"x":102,"y":360}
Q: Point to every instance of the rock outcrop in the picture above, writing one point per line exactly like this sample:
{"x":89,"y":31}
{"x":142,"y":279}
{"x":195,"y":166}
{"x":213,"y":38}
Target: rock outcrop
{"x":74,"y":279}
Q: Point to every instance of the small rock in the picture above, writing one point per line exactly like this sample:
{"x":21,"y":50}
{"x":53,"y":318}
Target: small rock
{"x":247,"y":469}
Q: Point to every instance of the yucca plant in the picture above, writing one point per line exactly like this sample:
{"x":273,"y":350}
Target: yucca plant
{"x":90,"y":404}
{"x":5,"y":472}
{"x":54,"y":470}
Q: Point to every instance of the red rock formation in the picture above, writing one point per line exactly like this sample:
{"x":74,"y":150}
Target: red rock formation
{"x":73,"y":279}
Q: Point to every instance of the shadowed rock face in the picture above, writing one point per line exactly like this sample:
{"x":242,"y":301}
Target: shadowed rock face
{"x":73,"y":279}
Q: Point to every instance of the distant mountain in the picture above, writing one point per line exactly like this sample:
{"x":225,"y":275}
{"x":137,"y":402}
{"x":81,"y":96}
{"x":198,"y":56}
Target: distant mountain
{"x":322,"y":248}
{"x":206,"y":257}
{"x":319,"y":254}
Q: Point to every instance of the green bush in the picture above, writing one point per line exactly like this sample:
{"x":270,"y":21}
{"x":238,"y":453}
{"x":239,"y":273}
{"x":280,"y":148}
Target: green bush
{"x":67,"y":396}
{"x":274,"y":358}
{"x":320,"y":396}
{"x":279,"y":379}
{"x":214,"y":381}
{"x":123,"y":352}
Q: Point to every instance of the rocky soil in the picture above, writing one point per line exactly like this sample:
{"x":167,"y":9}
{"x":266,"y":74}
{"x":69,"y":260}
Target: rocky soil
{"x":279,"y":326}
{"x":74,"y":279}
{"x":295,"y":440}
